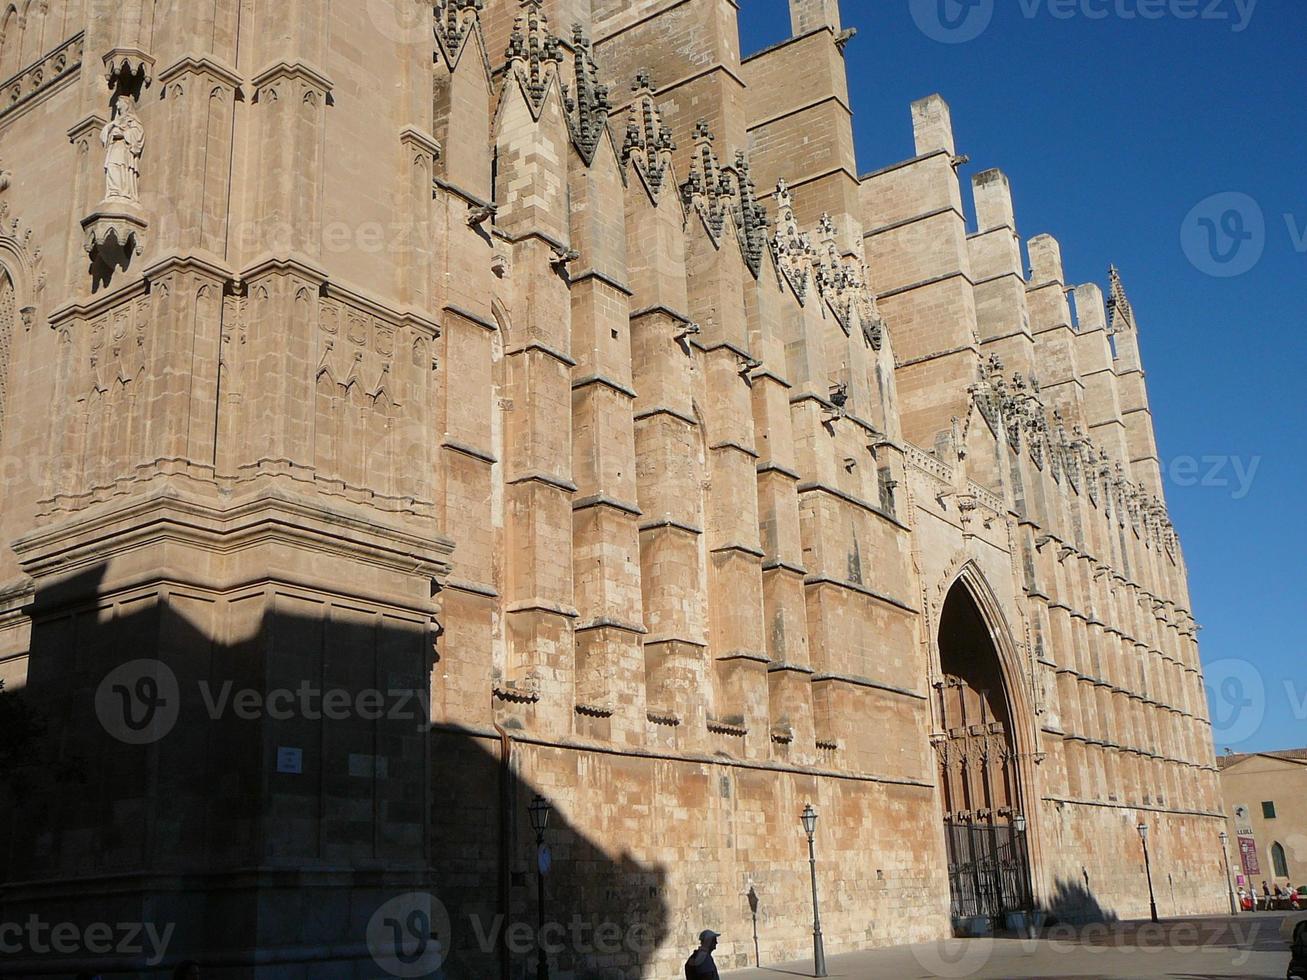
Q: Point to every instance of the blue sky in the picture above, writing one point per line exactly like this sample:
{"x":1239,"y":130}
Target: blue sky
{"x":1116,"y":130}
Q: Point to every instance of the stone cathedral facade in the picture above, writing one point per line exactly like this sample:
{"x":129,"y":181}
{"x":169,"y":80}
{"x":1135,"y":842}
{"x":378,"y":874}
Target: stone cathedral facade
{"x":553,"y":363}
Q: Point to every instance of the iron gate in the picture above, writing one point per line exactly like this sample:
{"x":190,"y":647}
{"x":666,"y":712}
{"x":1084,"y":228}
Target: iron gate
{"x":988,"y":870}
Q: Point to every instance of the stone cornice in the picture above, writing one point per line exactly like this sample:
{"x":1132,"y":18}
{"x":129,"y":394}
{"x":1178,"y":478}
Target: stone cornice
{"x":598,"y":276}
{"x":869,"y":683}
{"x":905,"y":163}
{"x":298,"y":70}
{"x":662,"y":715}
{"x":16,"y":595}
{"x":815,"y":581}
{"x":204,"y":263}
{"x":93,"y":306}
{"x":414,"y":137}
{"x":94,"y":537}
{"x":473,"y":318}
{"x":393,"y":315}
{"x":201,"y":65}
{"x":291,"y":262}
{"x":605,"y":381}
{"x":86,"y":126}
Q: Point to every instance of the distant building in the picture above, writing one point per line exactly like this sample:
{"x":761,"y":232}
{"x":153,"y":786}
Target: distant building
{"x":1266,"y":804}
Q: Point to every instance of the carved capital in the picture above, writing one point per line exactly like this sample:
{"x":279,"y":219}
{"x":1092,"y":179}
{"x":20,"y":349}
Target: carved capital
{"x":128,"y":63}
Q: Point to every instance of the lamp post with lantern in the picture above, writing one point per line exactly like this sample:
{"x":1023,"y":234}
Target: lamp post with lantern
{"x":1225,"y":857}
{"x":1148,"y":870}
{"x":1021,"y":859}
{"x":539,"y":812}
{"x":809,"y":820}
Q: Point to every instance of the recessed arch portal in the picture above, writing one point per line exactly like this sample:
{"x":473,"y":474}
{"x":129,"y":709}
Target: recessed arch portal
{"x":979,"y":765}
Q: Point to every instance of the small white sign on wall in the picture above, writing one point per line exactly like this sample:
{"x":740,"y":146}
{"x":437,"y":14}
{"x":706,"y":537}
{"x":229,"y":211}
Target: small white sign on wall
{"x":290,"y":761}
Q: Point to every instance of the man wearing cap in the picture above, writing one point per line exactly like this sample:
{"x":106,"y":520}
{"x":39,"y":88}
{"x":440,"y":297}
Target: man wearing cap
{"x":700,"y":965}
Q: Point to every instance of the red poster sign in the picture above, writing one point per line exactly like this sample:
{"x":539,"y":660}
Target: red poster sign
{"x":1248,"y":855}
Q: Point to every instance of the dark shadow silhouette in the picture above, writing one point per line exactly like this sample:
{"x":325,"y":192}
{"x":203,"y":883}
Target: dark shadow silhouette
{"x":1072,"y":902}
{"x":222,"y":822}
{"x":111,"y":257}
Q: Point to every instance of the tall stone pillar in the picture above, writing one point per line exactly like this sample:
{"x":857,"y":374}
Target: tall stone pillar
{"x":532,"y":145}
{"x":921,"y":272}
{"x":610,"y":679}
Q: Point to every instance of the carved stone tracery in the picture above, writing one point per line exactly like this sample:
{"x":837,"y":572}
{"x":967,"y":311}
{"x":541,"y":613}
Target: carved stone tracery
{"x":588,"y":108}
{"x":708,"y":189}
{"x":648,"y":143}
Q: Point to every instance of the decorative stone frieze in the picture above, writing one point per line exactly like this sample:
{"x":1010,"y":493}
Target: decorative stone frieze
{"x":43,"y":76}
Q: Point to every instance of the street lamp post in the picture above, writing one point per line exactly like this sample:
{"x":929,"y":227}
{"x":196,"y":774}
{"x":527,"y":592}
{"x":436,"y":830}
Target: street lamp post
{"x":539,"y":812}
{"x":1022,"y":857}
{"x":809,"y":819}
{"x":1148,"y":869}
{"x":1225,"y":857}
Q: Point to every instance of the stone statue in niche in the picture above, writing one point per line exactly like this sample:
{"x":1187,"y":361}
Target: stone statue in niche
{"x":124,"y":141}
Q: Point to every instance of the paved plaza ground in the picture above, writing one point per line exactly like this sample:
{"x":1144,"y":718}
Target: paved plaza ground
{"x":1249,"y":946}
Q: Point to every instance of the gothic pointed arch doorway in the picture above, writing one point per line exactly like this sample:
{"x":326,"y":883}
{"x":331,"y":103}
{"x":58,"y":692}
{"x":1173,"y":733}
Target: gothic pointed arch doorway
{"x":980,"y":782}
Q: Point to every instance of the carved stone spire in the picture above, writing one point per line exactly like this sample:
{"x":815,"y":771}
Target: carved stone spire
{"x":750,"y":215}
{"x":990,"y":391}
{"x":648,"y":143}
{"x":1120,"y":314}
{"x":588,"y":111}
{"x":794,"y":251}
{"x":454,"y":20}
{"x":708,"y":189}
{"x":533,"y":53}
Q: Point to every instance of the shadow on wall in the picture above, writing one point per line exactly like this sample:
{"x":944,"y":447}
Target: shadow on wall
{"x":277,"y":805}
{"x":1072,"y":901}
